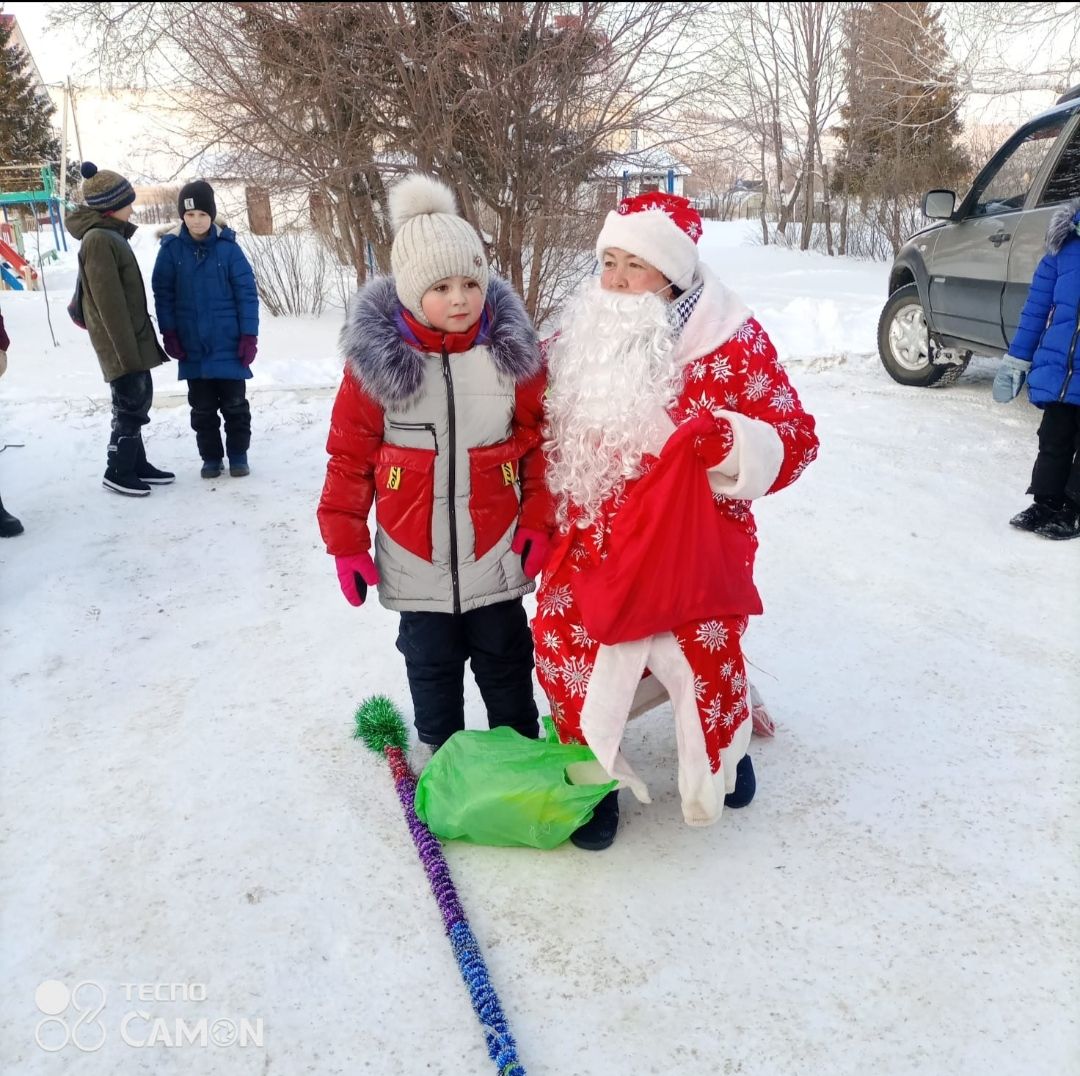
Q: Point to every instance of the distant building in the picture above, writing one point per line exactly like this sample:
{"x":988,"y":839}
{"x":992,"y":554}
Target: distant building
{"x":637,"y":172}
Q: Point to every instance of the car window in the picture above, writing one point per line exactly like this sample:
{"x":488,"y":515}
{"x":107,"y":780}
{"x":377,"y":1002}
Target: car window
{"x":1064,"y":182}
{"x":1007,"y":187}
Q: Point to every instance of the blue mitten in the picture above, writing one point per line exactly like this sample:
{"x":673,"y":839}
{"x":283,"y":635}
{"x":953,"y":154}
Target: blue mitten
{"x":1010,"y":378}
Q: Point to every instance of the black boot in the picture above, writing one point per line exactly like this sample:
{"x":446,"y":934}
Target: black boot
{"x":9,"y":525}
{"x":148,"y":472}
{"x":1063,"y":524}
{"x":745,"y":784}
{"x":120,"y":474}
{"x":599,"y":832}
{"x":1035,"y":515}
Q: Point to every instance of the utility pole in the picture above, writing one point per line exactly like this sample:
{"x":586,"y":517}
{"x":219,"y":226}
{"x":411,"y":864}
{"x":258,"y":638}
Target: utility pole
{"x":75,"y":119}
{"x":63,"y":155}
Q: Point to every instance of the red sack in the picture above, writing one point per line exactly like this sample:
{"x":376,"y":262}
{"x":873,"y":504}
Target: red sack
{"x":673,"y":557}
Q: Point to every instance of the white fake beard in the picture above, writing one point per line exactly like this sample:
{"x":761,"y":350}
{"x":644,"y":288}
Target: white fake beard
{"x":611,"y":375}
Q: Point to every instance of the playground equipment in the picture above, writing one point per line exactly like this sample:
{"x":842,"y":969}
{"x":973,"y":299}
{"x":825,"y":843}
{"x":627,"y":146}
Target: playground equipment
{"x":45,"y":195}
{"x":15,"y":271}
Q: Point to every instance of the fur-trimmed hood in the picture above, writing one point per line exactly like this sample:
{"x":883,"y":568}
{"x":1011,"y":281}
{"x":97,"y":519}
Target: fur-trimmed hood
{"x":1064,"y":224}
{"x":392,"y":372}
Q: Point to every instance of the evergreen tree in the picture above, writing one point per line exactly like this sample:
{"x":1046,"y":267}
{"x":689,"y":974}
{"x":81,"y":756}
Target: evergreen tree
{"x":26,"y":132}
{"x":900,"y":126}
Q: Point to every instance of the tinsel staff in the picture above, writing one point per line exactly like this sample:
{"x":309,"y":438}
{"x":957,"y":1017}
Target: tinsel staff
{"x":380,"y":726}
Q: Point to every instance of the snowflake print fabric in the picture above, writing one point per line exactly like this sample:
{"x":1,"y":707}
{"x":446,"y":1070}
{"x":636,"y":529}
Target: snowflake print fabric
{"x":742,"y":375}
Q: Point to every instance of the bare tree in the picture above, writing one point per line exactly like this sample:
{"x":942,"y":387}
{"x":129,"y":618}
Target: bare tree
{"x":750,"y":90}
{"x":814,"y":70}
{"x":716,"y":169}
{"x":784,"y":87}
{"x":518,"y":106}
{"x":1014,"y":45}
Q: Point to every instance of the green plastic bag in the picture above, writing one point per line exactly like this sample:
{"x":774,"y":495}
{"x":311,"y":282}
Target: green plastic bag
{"x":501,"y":788}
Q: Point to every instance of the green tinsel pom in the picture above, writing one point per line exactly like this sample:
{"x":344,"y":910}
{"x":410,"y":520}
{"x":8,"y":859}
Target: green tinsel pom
{"x":379,"y":724}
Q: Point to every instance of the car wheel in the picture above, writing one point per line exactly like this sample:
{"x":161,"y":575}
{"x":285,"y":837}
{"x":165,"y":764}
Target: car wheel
{"x":904,"y":343}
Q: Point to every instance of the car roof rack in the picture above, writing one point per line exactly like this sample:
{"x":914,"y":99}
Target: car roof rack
{"x":1069,"y":95}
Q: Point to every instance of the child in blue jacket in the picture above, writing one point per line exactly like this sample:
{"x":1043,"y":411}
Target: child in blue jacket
{"x":1046,"y":352}
{"x":208,"y":312}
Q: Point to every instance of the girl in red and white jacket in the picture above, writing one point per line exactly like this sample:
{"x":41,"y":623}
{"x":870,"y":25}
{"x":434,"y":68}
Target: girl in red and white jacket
{"x":438,"y":422}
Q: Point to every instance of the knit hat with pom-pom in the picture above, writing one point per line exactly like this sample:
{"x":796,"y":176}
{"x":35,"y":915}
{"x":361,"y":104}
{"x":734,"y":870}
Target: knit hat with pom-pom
{"x":431,"y":241}
{"x":103,"y":190}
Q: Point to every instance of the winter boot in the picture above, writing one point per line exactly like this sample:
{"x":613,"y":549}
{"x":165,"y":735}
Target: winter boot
{"x":211,"y":469}
{"x":1064,"y":524}
{"x":599,"y":832}
{"x":745,"y":784}
{"x":420,"y":754}
{"x":120,"y":475}
{"x":9,"y":525}
{"x":238,"y":466}
{"x":1034,"y":516}
{"x":148,"y":472}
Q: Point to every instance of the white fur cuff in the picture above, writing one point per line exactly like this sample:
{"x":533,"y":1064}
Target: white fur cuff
{"x":751,"y":467}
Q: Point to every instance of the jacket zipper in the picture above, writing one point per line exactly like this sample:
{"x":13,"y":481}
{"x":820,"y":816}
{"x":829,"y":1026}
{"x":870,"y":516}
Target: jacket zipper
{"x":448,"y":378}
{"x":429,"y":426}
{"x":1069,"y":359}
{"x":1046,"y":328}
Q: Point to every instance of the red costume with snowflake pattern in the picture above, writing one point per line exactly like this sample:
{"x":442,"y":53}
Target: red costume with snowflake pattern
{"x":742,"y":376}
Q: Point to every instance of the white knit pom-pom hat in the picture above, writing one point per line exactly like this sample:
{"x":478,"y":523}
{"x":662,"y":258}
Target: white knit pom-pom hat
{"x":431,"y":241}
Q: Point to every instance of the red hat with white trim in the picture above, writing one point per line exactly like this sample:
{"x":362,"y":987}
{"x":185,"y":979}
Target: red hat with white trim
{"x":664,"y":229}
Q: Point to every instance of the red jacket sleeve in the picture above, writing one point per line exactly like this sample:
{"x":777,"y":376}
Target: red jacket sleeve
{"x":745,"y":375}
{"x":537,"y":506}
{"x":356,"y":434}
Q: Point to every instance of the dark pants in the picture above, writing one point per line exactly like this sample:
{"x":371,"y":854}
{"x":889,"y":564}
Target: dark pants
{"x":1057,"y":467}
{"x":208,"y":396}
{"x":132,"y":395}
{"x":497,"y":640}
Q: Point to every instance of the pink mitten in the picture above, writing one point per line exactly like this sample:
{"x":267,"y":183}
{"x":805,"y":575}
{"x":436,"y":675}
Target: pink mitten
{"x":355,"y":574}
{"x":534,"y":548}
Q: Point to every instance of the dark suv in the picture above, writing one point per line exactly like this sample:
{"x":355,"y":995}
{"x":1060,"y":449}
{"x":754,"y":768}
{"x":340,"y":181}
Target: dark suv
{"x":958,"y":286}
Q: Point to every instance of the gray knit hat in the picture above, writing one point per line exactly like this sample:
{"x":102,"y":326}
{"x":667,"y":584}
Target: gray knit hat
{"x":104,"y":190}
{"x":430,"y":241}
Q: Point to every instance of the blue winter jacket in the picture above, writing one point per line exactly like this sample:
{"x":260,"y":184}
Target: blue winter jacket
{"x":1049,"y":333}
{"x":205,"y":292}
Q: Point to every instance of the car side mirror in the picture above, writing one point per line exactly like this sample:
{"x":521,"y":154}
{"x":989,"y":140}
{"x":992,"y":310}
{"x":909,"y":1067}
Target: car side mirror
{"x":939,"y":205}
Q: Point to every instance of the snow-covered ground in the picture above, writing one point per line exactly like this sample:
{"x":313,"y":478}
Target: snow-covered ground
{"x":182,"y":802}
